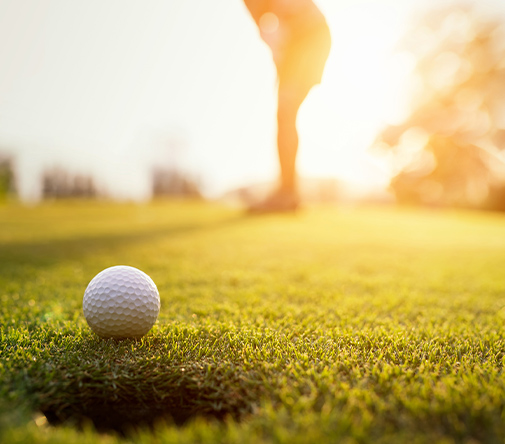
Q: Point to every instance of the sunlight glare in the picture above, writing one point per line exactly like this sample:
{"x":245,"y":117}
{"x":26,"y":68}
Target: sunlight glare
{"x":269,"y":23}
{"x":364,"y":88}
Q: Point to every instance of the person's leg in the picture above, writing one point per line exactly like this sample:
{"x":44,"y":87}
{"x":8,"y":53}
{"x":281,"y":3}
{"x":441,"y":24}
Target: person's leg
{"x":285,"y":196}
{"x":299,"y":54}
{"x":289,"y":102}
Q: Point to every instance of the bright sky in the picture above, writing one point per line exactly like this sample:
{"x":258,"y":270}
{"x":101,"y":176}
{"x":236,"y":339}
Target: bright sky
{"x":113,"y":86}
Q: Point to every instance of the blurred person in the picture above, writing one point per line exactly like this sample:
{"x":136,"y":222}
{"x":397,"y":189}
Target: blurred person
{"x":298,"y":35}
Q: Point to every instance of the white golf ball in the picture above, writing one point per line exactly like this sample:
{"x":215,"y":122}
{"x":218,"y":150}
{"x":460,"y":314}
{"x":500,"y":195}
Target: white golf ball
{"x":121,"y":302}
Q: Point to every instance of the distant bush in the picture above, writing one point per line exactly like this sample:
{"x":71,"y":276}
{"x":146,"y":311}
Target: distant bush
{"x":58,"y":183}
{"x":170,"y":182}
{"x":7,"y":177}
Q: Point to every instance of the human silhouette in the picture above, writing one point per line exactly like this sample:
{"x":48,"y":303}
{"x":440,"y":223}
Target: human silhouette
{"x":298,"y":35}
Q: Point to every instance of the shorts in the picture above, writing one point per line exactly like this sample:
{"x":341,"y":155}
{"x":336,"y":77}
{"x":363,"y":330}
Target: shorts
{"x":300,"y":63}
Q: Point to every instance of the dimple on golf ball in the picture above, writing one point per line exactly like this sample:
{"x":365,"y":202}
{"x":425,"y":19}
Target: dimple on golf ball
{"x":121,"y":302}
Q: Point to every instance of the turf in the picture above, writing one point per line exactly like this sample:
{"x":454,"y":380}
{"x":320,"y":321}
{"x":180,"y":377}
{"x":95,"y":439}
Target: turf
{"x":334,"y":325}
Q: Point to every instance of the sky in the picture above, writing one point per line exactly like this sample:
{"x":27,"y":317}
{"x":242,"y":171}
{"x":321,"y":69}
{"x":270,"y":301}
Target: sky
{"x":113,"y":87}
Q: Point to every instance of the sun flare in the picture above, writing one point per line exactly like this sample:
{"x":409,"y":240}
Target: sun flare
{"x":364,"y":87}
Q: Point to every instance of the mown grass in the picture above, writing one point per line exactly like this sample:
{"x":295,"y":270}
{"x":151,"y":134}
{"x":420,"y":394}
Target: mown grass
{"x":348,"y":325}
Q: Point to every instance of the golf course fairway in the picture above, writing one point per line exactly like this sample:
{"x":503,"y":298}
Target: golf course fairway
{"x":337,"y":324}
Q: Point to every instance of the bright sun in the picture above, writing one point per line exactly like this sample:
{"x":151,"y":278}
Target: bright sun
{"x":364,"y":87}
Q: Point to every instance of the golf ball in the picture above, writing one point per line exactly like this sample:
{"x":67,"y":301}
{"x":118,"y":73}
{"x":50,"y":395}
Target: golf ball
{"x":121,"y":302}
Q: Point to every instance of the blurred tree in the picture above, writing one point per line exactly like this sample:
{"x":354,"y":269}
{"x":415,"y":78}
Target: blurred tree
{"x":172,"y":182}
{"x":58,"y":183}
{"x":450,"y":151}
{"x":7,"y":178}
{"x":169,"y":177}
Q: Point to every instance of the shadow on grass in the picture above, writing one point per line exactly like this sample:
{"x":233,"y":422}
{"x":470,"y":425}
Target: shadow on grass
{"x":122,"y":391}
{"x":135,"y":402}
{"x":18,"y":259}
{"x":126,"y":417}
{"x":117,"y":388}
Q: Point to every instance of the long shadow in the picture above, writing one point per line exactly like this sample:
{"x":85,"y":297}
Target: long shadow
{"x":126,"y":417}
{"x":141,"y":398}
{"x":20,"y":258}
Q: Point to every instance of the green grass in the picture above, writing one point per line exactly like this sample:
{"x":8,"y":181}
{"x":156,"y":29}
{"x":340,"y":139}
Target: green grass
{"x":335,"y":325}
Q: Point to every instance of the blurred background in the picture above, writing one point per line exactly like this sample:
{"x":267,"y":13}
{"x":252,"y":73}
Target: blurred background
{"x":130,"y":100}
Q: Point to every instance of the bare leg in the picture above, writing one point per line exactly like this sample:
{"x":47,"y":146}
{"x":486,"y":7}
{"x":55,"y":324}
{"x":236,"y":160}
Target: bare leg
{"x":285,"y":197}
{"x":290,"y":100}
{"x":300,"y":46}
